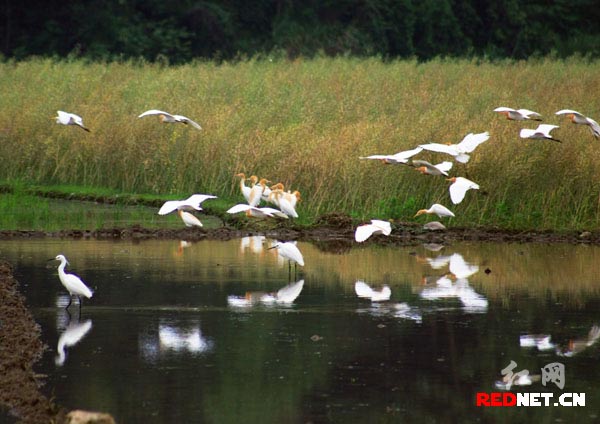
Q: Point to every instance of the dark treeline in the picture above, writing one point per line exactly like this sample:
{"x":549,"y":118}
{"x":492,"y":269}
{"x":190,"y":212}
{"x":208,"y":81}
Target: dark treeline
{"x":179,"y":31}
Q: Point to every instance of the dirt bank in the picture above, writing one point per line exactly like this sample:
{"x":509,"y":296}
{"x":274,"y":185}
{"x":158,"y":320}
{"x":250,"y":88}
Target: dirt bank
{"x":335,"y":229}
{"x":20,"y":349}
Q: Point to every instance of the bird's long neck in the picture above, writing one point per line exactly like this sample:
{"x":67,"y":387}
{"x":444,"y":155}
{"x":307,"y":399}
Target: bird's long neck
{"x":61,"y":267}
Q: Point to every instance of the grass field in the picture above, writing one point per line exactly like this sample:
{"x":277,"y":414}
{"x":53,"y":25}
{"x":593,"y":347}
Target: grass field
{"x":305,"y":123}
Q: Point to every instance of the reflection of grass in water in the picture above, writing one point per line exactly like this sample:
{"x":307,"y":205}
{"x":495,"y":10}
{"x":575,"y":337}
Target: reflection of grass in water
{"x":26,"y":212}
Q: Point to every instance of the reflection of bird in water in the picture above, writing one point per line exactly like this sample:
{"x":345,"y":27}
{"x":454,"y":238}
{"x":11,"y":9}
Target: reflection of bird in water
{"x":74,"y":332}
{"x":444,"y":288}
{"x":539,"y":341}
{"x":433,"y":247}
{"x":178,"y":339}
{"x":438,"y":262}
{"x":517,"y":380}
{"x":255,"y":243}
{"x":72,"y":282}
{"x":363,"y":290}
{"x":576,"y":346}
{"x":284,"y":296}
{"x":181,"y":246}
{"x":460,"y":268}
{"x":376,"y":226}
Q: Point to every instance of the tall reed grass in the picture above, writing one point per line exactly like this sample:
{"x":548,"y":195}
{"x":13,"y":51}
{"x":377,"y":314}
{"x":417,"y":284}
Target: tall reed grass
{"x":305,"y":123}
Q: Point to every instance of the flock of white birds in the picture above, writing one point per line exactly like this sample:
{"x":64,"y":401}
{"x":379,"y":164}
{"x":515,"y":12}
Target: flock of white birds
{"x":285,"y":201}
{"x":461,"y":153}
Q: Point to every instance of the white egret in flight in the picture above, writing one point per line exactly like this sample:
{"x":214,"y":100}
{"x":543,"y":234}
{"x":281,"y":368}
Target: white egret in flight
{"x":459,"y":151}
{"x":542,"y":132}
{"x":578,"y":118}
{"x":518,"y":114}
{"x":168,"y":118}
{"x":66,"y":118}
{"x":376,"y":226}
{"x":459,"y":187}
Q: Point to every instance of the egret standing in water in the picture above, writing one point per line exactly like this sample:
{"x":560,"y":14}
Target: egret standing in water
{"x":289,"y":251}
{"x":71,"y":282}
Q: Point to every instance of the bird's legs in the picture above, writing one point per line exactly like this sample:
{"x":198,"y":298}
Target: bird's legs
{"x":70,"y":300}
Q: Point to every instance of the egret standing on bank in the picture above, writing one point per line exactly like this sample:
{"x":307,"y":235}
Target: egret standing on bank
{"x":71,"y":282}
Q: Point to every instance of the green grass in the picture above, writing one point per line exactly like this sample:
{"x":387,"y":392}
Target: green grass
{"x":305,"y":123}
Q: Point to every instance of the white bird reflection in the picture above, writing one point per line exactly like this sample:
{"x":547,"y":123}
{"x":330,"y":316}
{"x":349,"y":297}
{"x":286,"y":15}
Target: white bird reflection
{"x":173,"y":337}
{"x":472,"y":301}
{"x":539,"y":341}
{"x":460,"y":268}
{"x":180,"y":339}
{"x":363,"y":290}
{"x":396,"y":310}
{"x":74,"y":332}
{"x":255,"y":243}
{"x":284,"y":296}
{"x":576,"y":346}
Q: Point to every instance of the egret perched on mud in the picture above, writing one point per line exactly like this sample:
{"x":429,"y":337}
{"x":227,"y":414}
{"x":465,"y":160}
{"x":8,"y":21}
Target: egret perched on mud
{"x":71,"y":282}
{"x":166,"y":117}
{"x":459,"y":188}
{"x":578,"y":118}
{"x":440,"y":210}
{"x":66,"y":118}
{"x":518,"y":114}
{"x":542,"y":131}
{"x":376,"y":226}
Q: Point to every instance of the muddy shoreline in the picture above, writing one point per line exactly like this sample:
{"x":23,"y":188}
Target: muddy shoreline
{"x":336,"y":230}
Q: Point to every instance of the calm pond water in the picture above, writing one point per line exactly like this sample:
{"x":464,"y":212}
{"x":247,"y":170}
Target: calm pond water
{"x":187,"y":333}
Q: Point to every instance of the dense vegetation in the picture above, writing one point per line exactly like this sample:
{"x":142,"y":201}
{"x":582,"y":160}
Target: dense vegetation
{"x":305,"y":123}
{"x":181,"y":31}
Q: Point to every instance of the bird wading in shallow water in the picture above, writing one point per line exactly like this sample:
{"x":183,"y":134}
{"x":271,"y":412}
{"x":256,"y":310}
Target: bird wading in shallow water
{"x":289,"y":251}
{"x":71,"y":282}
